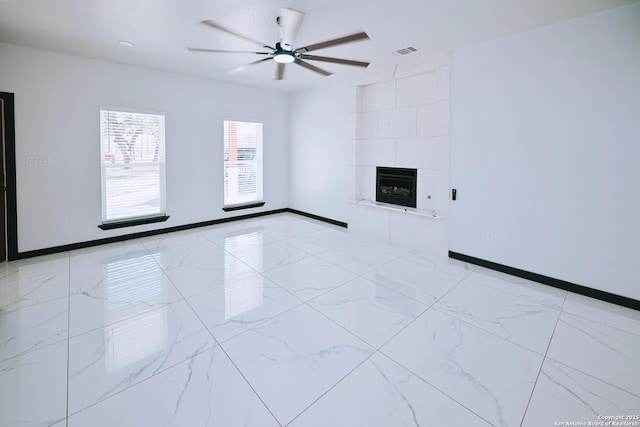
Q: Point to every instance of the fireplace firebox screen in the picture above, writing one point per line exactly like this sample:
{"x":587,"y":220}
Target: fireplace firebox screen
{"x":396,"y":186}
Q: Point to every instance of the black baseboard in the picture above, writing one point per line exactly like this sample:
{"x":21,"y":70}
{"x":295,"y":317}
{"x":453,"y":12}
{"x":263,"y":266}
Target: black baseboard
{"x":90,"y":243}
{"x":319,"y":218}
{"x":546,"y":280}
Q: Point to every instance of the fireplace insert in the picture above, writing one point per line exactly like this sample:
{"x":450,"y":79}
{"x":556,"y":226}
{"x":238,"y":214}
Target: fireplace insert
{"x":396,"y":186}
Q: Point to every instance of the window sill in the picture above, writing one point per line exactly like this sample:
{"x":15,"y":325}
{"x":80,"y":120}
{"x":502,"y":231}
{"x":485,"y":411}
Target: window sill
{"x":132,"y":222}
{"x":245,"y":206}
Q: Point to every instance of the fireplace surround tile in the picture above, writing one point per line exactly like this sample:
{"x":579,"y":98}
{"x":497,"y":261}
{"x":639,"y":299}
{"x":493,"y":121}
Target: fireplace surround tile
{"x":397,"y":123}
{"x":426,"y":120}
{"x":416,"y":90}
{"x":380,"y":96}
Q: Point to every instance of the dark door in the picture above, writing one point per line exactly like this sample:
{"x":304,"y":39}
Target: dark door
{"x":3,"y":222}
{"x":8,"y":199}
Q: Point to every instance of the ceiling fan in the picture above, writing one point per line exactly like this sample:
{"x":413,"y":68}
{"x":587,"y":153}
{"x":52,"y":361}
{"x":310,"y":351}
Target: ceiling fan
{"x":289,"y":22}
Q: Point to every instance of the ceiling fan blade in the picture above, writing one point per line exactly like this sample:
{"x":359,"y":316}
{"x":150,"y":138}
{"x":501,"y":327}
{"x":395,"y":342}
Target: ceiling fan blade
{"x":242,"y":67}
{"x":336,"y":60}
{"x":312,"y":67}
{"x":197,"y":49}
{"x":289,"y":21}
{"x":217,"y":26}
{"x":335,"y":42}
{"x":280,"y":72}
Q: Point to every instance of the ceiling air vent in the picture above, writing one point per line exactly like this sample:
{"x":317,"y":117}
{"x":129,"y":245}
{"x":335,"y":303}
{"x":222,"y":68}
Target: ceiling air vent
{"x":405,"y":51}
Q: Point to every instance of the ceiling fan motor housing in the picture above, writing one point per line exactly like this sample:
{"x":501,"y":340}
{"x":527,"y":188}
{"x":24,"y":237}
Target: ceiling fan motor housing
{"x":284,"y":46}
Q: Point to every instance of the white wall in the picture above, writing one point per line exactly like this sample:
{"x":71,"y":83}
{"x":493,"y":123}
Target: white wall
{"x":546,"y":150}
{"x":57,"y":102}
{"x":321,"y":125}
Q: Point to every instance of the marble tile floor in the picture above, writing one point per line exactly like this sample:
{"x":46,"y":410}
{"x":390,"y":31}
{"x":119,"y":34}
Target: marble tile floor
{"x":282,"y":320}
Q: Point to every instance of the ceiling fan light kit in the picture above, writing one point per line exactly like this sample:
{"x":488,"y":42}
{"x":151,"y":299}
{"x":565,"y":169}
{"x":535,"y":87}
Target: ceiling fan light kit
{"x":289,"y":22}
{"x":283,"y":56}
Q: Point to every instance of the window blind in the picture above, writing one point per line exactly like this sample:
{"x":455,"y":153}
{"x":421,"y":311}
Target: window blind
{"x":133,"y":165}
{"x":242,"y":162}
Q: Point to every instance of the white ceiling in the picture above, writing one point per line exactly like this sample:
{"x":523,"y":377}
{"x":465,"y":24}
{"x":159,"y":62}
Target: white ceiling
{"x":162,"y":29}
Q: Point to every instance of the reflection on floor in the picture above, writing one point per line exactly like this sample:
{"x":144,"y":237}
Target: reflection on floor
{"x":282,"y":320}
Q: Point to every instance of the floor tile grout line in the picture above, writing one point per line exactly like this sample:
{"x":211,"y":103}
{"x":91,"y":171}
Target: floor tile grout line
{"x":379,"y":350}
{"x":146,"y":311}
{"x":363,"y":277}
{"x":430,"y":304}
{"x":307,"y":258}
{"x":316,"y":296}
{"x":250,"y":385}
{"x":31,"y":276}
{"x":280,"y":315}
{"x":306,"y":255}
{"x":544,"y":358}
{"x":34,"y":350}
{"x":433,"y":306}
{"x":306,"y":302}
{"x":38,"y":346}
{"x":598,"y":322}
{"x":591,"y":376}
{"x":528,"y":298}
{"x":424,"y":265}
{"x":298,"y":304}
{"x":326,"y":291}
{"x":257,"y":325}
{"x":466,"y":278}
{"x":219,"y":344}
{"x":338,"y":324}
{"x":216,"y":342}
{"x":436,"y":269}
{"x":334,"y":322}
{"x":434,"y":386}
{"x":587,"y":373}
{"x":332,"y":387}
{"x":156,"y":372}
{"x":186,"y":300}
{"x":471,"y":325}
{"x":458,"y":283}
{"x":68,"y":341}
{"x":4,"y":313}
{"x":353,"y":333}
{"x":391,"y":259}
{"x":406,"y":326}
{"x":423,"y":379}
{"x":46,"y":273}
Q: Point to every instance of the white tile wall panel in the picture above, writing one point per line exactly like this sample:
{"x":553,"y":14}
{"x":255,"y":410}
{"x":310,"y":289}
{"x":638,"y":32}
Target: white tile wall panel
{"x":397,"y":123}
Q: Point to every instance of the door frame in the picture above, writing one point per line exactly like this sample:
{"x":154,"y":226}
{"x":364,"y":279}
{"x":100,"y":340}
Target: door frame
{"x":11,"y":219}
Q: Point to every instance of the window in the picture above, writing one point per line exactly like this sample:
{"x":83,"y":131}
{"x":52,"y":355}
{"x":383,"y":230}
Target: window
{"x":242,"y":163}
{"x":133,"y":170}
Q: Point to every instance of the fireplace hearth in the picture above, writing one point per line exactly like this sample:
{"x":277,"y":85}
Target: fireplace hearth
{"x":396,"y":186}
